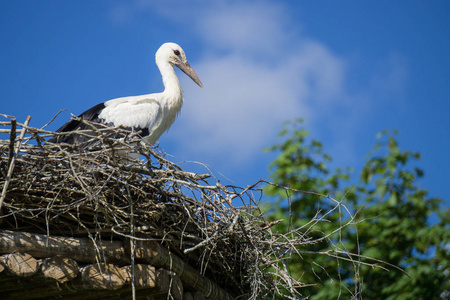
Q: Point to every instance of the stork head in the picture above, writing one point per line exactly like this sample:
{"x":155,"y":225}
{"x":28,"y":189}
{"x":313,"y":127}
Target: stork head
{"x":174,"y":55}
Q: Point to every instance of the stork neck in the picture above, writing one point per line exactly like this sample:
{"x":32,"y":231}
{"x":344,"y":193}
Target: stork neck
{"x":172,"y":86}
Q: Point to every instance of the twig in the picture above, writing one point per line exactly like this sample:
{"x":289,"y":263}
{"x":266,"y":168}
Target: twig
{"x":54,"y":117}
{"x":12,"y":141}
{"x":12,"y":163}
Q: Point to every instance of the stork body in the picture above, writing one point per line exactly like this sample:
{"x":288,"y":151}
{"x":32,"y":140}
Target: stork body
{"x":150,"y":114}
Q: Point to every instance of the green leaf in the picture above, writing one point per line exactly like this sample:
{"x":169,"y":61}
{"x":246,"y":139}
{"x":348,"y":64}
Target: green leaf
{"x":393,"y":226}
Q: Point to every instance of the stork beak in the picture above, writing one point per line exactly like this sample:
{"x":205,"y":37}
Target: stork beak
{"x":187,"y":69}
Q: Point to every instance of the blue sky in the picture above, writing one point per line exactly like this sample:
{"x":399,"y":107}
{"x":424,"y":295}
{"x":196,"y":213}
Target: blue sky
{"x":350,"y":68}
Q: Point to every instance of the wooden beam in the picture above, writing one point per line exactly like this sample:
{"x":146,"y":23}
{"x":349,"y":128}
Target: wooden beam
{"x":79,"y":249}
{"x":84,"y":250}
{"x":144,"y":275}
{"x":21,"y":264}
{"x":154,"y":254}
{"x":103,"y":276}
{"x":59,"y":268}
{"x":94,"y":279}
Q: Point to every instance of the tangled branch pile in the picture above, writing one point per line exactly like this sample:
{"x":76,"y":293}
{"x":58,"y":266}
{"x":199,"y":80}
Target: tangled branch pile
{"x":94,"y":191}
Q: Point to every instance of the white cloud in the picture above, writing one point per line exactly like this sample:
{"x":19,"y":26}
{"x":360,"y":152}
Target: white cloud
{"x":123,"y":12}
{"x":245,"y":102}
{"x":242,"y":105}
{"x":391,"y":76}
{"x":254,"y":31}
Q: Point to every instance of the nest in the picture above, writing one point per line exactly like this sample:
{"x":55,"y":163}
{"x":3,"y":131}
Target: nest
{"x":97,"y":190}
{"x":94,"y":190}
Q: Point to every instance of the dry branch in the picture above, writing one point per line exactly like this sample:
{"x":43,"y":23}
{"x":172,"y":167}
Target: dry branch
{"x":13,"y":151}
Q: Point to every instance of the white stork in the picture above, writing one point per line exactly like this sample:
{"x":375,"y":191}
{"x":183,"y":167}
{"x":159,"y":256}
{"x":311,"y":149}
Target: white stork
{"x":150,"y":114}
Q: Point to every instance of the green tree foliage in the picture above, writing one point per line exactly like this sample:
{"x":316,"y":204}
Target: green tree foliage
{"x":393,"y":224}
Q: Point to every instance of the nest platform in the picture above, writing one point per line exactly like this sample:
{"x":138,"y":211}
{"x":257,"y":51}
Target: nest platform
{"x":87,"y":220}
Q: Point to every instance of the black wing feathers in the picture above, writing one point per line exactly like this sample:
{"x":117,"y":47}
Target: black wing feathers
{"x":89,"y":115}
{"x":92,"y":116}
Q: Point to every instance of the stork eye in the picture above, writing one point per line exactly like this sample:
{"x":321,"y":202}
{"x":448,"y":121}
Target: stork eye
{"x":176,"y":52}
